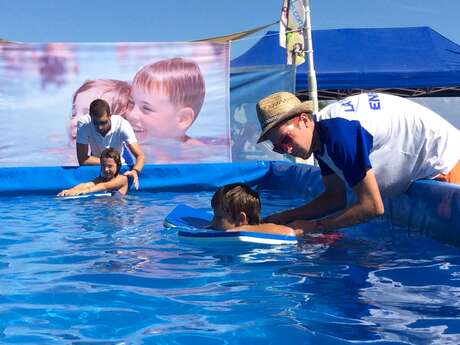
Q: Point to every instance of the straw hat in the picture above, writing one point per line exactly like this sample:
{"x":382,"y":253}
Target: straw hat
{"x":277,"y":108}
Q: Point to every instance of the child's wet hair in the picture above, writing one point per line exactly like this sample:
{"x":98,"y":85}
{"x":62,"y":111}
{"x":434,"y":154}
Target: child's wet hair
{"x":235,"y":198}
{"x":114,"y":154}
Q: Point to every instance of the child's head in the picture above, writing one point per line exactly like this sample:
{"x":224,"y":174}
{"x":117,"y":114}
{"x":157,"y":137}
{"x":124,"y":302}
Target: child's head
{"x":167,"y":96}
{"x":235,"y":205}
{"x":114,"y":92}
{"x":110,"y":163}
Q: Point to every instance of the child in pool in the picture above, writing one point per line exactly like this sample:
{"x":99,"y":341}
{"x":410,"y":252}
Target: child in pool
{"x":237,"y":207}
{"x":108,"y":180}
{"x":167,"y":97}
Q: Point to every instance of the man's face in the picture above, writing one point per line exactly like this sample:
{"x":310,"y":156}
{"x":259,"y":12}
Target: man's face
{"x":102,"y":123}
{"x":293,"y":137}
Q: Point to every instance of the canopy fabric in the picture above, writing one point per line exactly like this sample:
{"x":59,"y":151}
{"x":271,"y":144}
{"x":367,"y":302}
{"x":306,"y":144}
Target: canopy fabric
{"x":388,"y":58}
{"x":235,"y":36}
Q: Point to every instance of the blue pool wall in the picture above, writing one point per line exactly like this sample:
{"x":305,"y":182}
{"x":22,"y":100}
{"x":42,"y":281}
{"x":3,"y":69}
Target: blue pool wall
{"x":428,"y":207}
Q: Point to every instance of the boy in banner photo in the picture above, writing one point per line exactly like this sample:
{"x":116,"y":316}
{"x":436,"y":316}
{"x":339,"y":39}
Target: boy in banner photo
{"x":167,"y":97}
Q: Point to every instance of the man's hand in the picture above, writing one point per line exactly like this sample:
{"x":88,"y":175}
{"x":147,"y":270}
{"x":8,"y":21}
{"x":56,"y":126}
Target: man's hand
{"x":137,"y":152}
{"x":302,"y":227}
{"x":134,"y":175}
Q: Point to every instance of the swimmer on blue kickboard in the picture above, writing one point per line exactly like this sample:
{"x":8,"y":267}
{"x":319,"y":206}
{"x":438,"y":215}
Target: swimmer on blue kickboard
{"x":237,"y":207}
{"x":236,"y":218}
{"x":109,"y":179}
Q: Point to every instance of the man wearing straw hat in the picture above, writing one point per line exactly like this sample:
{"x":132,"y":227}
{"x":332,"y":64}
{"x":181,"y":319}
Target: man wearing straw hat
{"x":377,"y":144}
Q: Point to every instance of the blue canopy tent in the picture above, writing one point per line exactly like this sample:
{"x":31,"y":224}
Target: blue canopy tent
{"x":413,"y":61}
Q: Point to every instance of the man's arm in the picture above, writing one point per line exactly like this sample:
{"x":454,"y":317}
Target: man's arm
{"x":137,"y":152}
{"x":332,"y":199}
{"x":368,"y":205}
{"x":84,"y":158}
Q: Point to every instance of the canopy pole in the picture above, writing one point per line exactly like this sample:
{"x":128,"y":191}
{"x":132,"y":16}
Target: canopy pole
{"x":312,"y":86}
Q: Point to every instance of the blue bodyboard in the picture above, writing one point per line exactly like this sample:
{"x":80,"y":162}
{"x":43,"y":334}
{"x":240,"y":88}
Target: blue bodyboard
{"x":191,"y":224}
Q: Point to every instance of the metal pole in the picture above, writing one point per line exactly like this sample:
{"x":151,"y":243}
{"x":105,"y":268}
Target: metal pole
{"x":312,"y":86}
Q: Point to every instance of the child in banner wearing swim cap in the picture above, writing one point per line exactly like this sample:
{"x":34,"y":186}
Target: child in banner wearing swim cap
{"x":109,"y":179}
{"x":237,"y":208}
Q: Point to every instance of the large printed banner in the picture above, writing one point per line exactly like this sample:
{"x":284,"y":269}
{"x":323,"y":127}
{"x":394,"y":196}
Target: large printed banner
{"x":46,"y":88}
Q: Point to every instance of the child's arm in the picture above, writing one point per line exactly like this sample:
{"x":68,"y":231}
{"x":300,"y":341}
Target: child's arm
{"x":267,"y":228}
{"x":119,"y":183}
{"x":77,"y":190}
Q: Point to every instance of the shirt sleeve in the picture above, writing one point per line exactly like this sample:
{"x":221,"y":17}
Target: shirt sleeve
{"x":128,"y":133}
{"x":82,"y":133}
{"x":348,"y":146}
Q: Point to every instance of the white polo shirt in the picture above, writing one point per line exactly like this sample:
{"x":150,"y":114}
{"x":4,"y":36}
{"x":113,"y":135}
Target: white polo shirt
{"x":120,"y":132}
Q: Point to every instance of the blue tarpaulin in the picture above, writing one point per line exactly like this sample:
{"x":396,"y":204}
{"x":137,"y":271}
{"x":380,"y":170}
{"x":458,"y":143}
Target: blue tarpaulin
{"x":412,"y":57}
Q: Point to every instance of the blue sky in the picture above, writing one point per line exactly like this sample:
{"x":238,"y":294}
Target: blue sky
{"x":183,"y":20}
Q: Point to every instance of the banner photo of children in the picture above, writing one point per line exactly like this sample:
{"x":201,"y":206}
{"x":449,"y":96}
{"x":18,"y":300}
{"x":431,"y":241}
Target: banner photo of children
{"x":175,"y":95}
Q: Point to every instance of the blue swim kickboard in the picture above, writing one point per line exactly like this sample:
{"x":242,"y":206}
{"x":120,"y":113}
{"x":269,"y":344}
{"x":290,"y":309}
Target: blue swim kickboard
{"x":192,"y":222}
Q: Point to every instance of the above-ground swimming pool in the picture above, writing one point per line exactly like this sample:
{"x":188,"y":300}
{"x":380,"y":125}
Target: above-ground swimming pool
{"x":106,"y":271}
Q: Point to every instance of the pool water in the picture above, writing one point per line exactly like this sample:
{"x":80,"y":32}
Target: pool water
{"x":105,"y":271}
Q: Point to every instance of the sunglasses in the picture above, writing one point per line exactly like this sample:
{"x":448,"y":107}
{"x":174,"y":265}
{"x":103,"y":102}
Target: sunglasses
{"x":101,"y":123}
{"x":285,"y":139}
